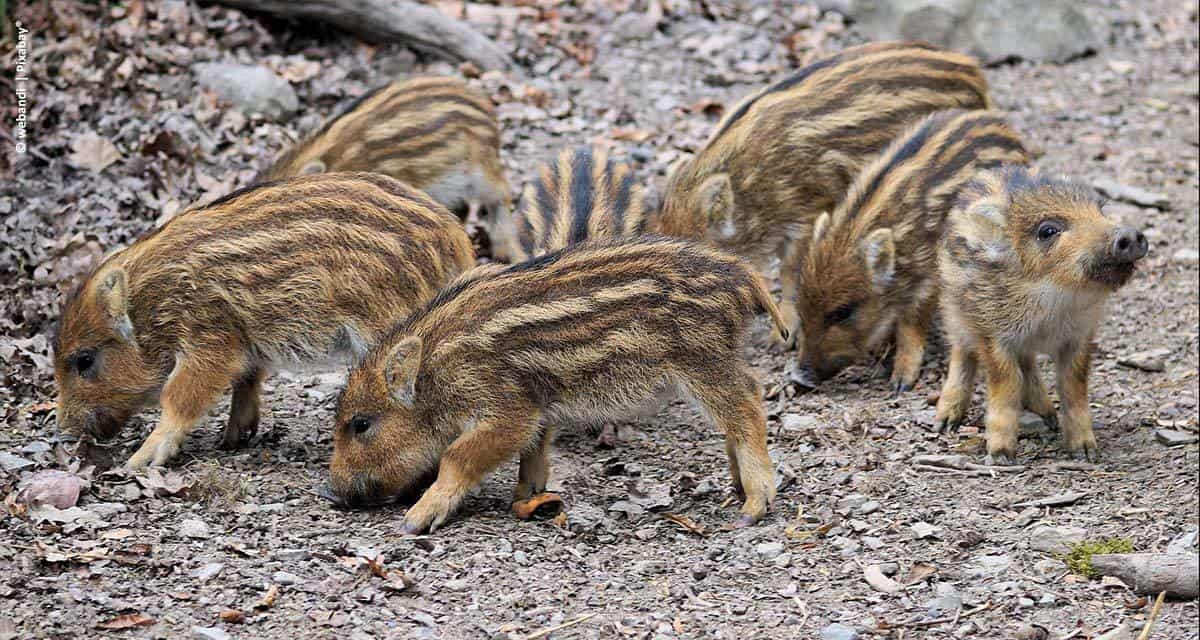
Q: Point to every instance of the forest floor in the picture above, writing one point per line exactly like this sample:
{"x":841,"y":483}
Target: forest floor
{"x":120,"y":136}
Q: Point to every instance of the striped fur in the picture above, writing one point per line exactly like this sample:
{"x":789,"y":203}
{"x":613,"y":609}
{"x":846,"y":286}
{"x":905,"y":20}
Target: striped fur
{"x":580,"y":335}
{"x":870,"y":270}
{"x":1026,"y":266}
{"x":435,"y":134}
{"x":790,"y":151}
{"x":584,"y":194}
{"x":280,"y":274}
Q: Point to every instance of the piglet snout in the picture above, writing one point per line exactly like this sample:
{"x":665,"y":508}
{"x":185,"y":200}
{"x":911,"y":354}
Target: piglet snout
{"x":1128,"y":245}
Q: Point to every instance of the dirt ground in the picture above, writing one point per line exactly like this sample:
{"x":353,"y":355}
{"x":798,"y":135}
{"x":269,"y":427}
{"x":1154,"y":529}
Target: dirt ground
{"x":236,"y":544}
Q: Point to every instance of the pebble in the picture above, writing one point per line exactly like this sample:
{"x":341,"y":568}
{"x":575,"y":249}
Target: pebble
{"x":208,"y":571}
{"x":193,"y":528}
{"x":925,"y":530}
{"x":868,"y":507}
{"x":1131,"y":194}
{"x":1048,"y":539}
{"x":768,"y":550}
{"x":209,"y":633}
{"x":284,"y":578}
{"x":944,"y":605}
{"x":851,"y":502}
{"x":838,"y":631}
{"x":1153,"y":360}
{"x":1173,"y":438}
{"x":796,"y":423}
{"x":1189,"y":257}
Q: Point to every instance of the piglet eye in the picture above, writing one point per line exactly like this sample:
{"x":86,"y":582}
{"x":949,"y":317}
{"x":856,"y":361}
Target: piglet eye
{"x":360,"y":424}
{"x":84,"y":361}
{"x":1048,"y":230}
{"x":840,"y":314}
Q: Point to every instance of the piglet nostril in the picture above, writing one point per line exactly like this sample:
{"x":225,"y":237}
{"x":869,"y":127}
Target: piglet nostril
{"x":1129,"y":245}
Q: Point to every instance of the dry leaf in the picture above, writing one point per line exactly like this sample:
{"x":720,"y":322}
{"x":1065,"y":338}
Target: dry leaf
{"x":687,"y":523}
{"x":232,"y":615}
{"x":879,"y":582}
{"x":92,"y":152}
{"x":127,"y":621}
{"x":918,"y":573}
{"x":707,"y":106}
{"x":268,"y":599}
{"x":58,"y":489}
{"x":632,"y":135}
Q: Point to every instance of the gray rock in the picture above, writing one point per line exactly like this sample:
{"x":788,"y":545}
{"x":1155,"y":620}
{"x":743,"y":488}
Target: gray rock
{"x":1153,"y":360}
{"x":1173,"y":438}
{"x":1050,"y":539}
{"x":284,"y":578}
{"x":1029,"y":421}
{"x":250,"y":88}
{"x":796,"y":423}
{"x":851,"y":502}
{"x":10,"y":462}
{"x":1187,"y":257}
{"x":944,"y":605}
{"x":768,"y":550}
{"x":925,"y":530}
{"x":208,"y":571}
{"x":1132,"y":195}
{"x":209,"y":633}
{"x":193,"y":528}
{"x":868,"y":507}
{"x":837,"y":631}
{"x":1184,"y":542}
{"x":995,"y":30}
{"x":635,"y":26}
{"x":985,"y":566}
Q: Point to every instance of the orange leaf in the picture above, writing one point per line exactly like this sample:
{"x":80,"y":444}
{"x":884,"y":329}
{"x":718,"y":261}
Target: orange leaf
{"x":632,"y":135}
{"x":127,"y":621}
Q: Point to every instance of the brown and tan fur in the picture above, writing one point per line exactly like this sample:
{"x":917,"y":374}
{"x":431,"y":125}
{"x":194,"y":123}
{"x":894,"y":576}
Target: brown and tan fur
{"x":789,"y":152}
{"x":282,"y":273}
{"x":870,"y":270}
{"x":436,"y":134}
{"x":588,"y":333}
{"x":583,"y":195}
{"x":1026,"y":267}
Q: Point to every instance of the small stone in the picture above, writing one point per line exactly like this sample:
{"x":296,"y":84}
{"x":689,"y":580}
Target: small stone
{"x":985,"y":566}
{"x":851,"y":502}
{"x":457,"y":585}
{"x":193,"y":528}
{"x":838,"y":631}
{"x":1173,"y":438}
{"x":1153,"y":360}
{"x":209,"y":633}
{"x":768,"y":550}
{"x":284,"y":578}
{"x":944,"y":605}
{"x":1048,"y":539}
{"x":208,"y":571}
{"x":868,"y":507}
{"x":10,"y":462}
{"x":1047,"y":600}
{"x":1188,"y":257}
{"x":889,"y":568}
{"x":250,"y":88}
{"x":699,"y":573}
{"x":796,"y":423}
{"x":1184,"y":542}
{"x":925,"y":530}
{"x":1131,"y":194}
{"x":1029,"y":421}
{"x":872,"y":543}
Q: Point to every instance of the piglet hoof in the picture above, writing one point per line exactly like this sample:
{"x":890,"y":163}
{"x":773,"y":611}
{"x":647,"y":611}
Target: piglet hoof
{"x":410,"y":529}
{"x":743,"y":521}
{"x":901,"y":387}
{"x":542,"y":505}
{"x":608,"y":438}
{"x":1000,"y":459}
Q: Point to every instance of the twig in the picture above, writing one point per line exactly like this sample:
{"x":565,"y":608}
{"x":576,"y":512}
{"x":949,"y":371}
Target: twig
{"x":549,"y":630}
{"x":1074,"y":633}
{"x":803,"y":610}
{"x":1158,"y":602}
{"x":954,"y":619}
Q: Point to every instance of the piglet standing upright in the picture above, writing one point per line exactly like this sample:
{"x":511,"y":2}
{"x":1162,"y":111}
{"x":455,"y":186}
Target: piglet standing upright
{"x":486,"y":371}
{"x":870,"y":270}
{"x":283,"y":274}
{"x":1026,"y":267}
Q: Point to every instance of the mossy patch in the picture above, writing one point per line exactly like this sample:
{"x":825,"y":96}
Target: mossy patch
{"x":1079,"y":558}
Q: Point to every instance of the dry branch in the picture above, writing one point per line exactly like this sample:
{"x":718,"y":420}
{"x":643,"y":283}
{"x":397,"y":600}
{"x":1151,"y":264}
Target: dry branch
{"x":1149,"y":573}
{"x":418,"y":26}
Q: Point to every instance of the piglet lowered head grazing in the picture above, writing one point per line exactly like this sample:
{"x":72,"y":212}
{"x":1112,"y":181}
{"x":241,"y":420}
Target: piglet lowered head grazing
{"x":282,"y":274}
{"x":501,"y":357}
{"x":1026,"y":266}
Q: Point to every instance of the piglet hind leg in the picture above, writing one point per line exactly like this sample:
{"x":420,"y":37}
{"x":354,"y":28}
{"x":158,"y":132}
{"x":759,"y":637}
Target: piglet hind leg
{"x":464,"y":464}
{"x":1074,"y":364}
{"x":736,"y":408}
{"x":192,"y":389}
{"x":244,"y":410}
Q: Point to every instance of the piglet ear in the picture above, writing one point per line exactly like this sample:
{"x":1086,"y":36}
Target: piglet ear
{"x":401,"y":368}
{"x":716,"y":200}
{"x":820,"y":227}
{"x":879,"y":252}
{"x":112,"y":296}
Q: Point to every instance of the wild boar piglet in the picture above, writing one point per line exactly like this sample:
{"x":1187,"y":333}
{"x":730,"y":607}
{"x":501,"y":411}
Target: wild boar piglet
{"x":436,"y":134}
{"x":1027,"y":264}
{"x":869,"y":272}
{"x":789,"y":152}
{"x":281,"y":274}
{"x":590,"y":333}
